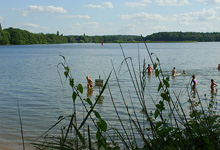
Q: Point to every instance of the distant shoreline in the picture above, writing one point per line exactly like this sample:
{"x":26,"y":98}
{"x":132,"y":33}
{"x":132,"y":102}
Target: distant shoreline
{"x":15,"y":36}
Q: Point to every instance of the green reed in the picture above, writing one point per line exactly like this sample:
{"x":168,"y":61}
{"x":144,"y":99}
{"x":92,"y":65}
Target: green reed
{"x":167,"y":127}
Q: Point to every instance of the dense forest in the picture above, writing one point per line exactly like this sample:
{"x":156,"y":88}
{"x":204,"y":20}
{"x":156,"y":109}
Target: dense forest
{"x":184,"y":36}
{"x":14,"y":36}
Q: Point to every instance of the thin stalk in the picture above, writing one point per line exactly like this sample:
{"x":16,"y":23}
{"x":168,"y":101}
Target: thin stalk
{"x":118,"y":118}
{"x":138,"y":126}
{"x":22,"y":134}
{"x":200,"y":134}
{"x":140,"y":100}
{"x":123,"y":100}
{"x":89,"y":138}
{"x":164,"y":90}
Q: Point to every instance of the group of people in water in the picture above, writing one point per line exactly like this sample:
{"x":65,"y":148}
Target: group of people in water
{"x":149,"y":70}
{"x":193,"y":82}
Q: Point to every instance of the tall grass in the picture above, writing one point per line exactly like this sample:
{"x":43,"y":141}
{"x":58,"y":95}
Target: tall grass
{"x":168,"y":126}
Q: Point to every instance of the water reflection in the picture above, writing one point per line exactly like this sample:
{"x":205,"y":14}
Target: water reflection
{"x":193,"y":92}
{"x":89,"y":92}
{"x":213,"y":93}
{"x":100,"y":100}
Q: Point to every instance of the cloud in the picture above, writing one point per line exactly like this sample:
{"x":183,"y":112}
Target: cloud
{"x":142,"y":3}
{"x":1,"y":18}
{"x":102,"y":6}
{"x":203,"y":16}
{"x":31,"y":25}
{"x":172,"y":2}
{"x":210,"y":2}
{"x":88,"y":25}
{"x":43,"y":9}
{"x":91,"y":25}
{"x":76,"y":26}
{"x":74,"y":17}
{"x":144,"y":17}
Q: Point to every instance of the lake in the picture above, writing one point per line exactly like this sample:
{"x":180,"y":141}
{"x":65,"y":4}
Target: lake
{"x":29,"y":76}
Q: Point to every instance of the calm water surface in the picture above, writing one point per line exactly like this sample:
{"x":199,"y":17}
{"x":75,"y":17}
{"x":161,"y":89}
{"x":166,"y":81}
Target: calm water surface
{"x":29,"y":76}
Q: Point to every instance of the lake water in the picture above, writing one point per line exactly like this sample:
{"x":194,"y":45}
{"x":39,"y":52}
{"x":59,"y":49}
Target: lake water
{"x":29,"y":76}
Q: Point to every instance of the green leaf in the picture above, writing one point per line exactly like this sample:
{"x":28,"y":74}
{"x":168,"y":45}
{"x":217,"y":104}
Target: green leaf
{"x":80,"y":88}
{"x":71,"y":82}
{"x":166,"y":82}
{"x":102,"y":125}
{"x":158,"y":124}
{"x":97,"y":114}
{"x":157,"y":72}
{"x":155,"y":65}
{"x":63,"y":57}
{"x":79,"y":135}
{"x":66,"y":74}
{"x":159,"y":87}
{"x":98,"y":135}
{"x":67,"y":69}
{"x":158,"y":59}
{"x":165,"y":96}
{"x":156,"y":113}
{"x":74,"y":96}
{"x":88,"y":101}
{"x":160,"y":106}
{"x":207,"y":140}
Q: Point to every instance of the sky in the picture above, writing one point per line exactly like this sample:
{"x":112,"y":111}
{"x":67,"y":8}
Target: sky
{"x":117,"y":17}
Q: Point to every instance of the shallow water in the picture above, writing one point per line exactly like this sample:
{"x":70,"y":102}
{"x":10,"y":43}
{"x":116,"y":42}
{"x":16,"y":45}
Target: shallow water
{"x":29,"y":76}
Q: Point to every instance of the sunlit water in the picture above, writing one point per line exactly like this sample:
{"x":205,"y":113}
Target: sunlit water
{"x":29,"y":76}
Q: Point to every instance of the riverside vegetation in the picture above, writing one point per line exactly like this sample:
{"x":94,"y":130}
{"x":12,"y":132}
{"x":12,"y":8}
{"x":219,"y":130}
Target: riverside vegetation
{"x":14,"y":36}
{"x":168,"y":126}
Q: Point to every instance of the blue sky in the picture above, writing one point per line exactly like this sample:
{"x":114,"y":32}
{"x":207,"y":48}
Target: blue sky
{"x":100,"y":17}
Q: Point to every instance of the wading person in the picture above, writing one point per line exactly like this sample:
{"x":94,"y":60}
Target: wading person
{"x":194,"y":82}
{"x":149,"y":69}
{"x":213,"y":85}
{"x":174,"y":71}
{"x":89,"y":84}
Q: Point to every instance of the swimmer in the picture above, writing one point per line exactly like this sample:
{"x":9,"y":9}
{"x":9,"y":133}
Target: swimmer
{"x":218,"y":66}
{"x":184,"y":72}
{"x":213,"y":85}
{"x":89,"y":85}
{"x":174,"y":71}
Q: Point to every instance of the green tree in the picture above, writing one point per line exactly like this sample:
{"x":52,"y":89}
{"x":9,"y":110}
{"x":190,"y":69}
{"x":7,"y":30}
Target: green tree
{"x":4,"y":37}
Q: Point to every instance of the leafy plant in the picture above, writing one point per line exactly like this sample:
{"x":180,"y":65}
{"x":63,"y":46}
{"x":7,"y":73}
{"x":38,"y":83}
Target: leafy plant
{"x":168,"y":126}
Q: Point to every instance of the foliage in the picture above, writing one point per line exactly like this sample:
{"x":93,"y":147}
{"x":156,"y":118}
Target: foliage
{"x":4,"y":37}
{"x":184,"y":36}
{"x":168,"y":125}
{"x":14,"y":36}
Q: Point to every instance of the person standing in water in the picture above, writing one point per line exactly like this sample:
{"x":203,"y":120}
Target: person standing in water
{"x":213,"y":85}
{"x":194,"y":82}
{"x":149,"y":69}
{"x":89,"y":84}
{"x":174,"y":71}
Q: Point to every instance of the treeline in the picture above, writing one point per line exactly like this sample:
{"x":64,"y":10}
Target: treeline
{"x":106,"y":39}
{"x":184,"y":36}
{"x":14,"y":36}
